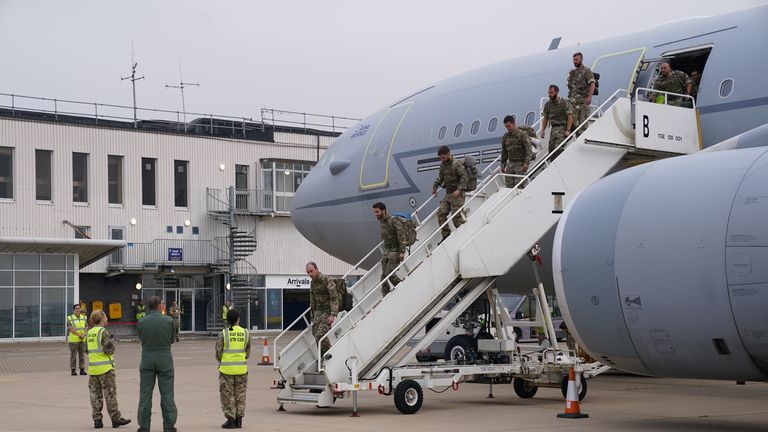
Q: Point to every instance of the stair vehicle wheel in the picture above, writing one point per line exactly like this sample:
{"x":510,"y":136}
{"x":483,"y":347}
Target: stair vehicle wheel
{"x":458,"y":348}
{"x":582,"y":389}
{"x":408,"y":397}
{"x":524,"y":388}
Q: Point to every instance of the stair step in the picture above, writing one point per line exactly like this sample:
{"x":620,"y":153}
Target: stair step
{"x":315,"y":378}
{"x":309,"y":387}
{"x":301,"y":398}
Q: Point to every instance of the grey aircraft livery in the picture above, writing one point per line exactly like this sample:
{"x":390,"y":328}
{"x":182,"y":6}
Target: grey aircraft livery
{"x":660,"y":268}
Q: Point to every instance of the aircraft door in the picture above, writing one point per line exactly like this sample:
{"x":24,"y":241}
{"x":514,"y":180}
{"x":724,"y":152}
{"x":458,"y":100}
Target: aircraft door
{"x":617,"y":71}
{"x":374,"y":171}
{"x":647,"y":72}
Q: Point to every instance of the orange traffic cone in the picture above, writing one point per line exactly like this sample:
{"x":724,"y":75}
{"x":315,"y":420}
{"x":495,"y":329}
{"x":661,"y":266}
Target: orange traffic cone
{"x":572,"y":406}
{"x":265,"y":360}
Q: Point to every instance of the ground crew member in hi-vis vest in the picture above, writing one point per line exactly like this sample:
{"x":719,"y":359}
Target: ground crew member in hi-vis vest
{"x":156,"y":333}
{"x":233,"y":348}
{"x":101,"y":371}
{"x":76,"y":324}
{"x":224,"y":309}
{"x":141,"y":310}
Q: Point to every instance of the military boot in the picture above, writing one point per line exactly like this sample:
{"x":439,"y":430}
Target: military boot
{"x":82,"y":372}
{"x":229,"y":424}
{"x":120,"y":422}
{"x":74,"y":372}
{"x":98,"y":424}
{"x":239,"y":422}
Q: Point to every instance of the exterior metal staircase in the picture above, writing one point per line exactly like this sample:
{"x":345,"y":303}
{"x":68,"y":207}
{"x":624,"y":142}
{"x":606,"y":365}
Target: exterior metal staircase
{"x":464,"y":266}
{"x":240,"y":245}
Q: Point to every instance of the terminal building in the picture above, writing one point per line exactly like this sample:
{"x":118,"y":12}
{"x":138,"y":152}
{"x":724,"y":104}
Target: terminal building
{"x":105,"y":208}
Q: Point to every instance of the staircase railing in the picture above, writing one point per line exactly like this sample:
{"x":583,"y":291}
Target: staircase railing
{"x":491,"y":167}
{"x":524,"y":181}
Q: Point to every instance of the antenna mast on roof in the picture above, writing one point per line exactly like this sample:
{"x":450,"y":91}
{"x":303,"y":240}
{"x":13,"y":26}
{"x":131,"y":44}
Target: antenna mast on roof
{"x":180,"y":87}
{"x":133,"y":79}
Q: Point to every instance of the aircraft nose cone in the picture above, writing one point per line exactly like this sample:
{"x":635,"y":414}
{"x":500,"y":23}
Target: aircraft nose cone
{"x":302,"y":212}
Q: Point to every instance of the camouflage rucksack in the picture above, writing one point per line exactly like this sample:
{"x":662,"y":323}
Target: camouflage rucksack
{"x":408,"y":225}
{"x":470,"y":165}
{"x":528,"y":130}
{"x":345,"y":297}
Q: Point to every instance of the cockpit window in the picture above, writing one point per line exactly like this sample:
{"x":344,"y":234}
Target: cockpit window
{"x":457,"y":130}
{"x":475,"y":127}
{"x":441,"y":133}
{"x":493,"y":124}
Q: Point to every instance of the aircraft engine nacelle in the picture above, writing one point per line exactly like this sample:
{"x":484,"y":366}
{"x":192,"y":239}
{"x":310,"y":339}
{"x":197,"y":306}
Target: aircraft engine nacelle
{"x":662,"y":269}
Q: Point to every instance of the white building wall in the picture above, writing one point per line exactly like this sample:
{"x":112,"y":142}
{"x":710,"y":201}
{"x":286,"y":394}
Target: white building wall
{"x":282,"y":250}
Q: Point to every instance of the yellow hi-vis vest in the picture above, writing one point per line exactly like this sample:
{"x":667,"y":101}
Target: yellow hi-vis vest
{"x":98,"y":362}
{"x":141,"y":312}
{"x":233,"y":361}
{"x":224,"y":311}
{"x":78,"y":323}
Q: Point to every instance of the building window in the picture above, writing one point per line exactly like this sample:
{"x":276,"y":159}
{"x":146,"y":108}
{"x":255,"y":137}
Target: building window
{"x":169,"y":229}
{"x":148,"y":179}
{"x":441,"y":133}
{"x":115,"y":179}
{"x":43,"y":175}
{"x":180,"y":186}
{"x":179,"y":229}
{"x":493,"y":124}
{"x":83,"y":232}
{"x":241,"y":187}
{"x":6,"y":172}
{"x":80,"y":177}
{"x":195,"y":230}
{"x":116,"y":233}
{"x":457,"y":130}
{"x":475,"y":127}
{"x":281,"y":180}
{"x":35,"y":306}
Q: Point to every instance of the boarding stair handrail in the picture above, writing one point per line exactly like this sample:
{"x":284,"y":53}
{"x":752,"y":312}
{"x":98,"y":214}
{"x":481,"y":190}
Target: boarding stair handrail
{"x":524,"y":181}
{"x":666,"y":99}
{"x":378,"y":246}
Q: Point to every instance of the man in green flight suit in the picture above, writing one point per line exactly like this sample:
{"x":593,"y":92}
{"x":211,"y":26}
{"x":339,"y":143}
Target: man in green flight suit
{"x":156,"y":333}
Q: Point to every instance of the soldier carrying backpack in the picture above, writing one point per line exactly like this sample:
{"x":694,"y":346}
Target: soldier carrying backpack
{"x":393,"y":234}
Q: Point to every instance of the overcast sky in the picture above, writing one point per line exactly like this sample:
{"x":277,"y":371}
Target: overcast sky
{"x":341,"y":57}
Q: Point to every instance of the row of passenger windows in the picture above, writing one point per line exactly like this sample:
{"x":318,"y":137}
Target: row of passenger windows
{"x":474,"y":129}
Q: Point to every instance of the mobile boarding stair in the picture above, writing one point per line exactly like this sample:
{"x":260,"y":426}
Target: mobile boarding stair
{"x":368,"y":341}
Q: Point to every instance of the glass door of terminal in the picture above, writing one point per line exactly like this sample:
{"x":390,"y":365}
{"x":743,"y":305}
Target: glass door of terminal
{"x":185,"y":300}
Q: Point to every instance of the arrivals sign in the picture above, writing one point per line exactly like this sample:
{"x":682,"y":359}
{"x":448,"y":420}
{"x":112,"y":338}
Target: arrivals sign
{"x":288,"y":281}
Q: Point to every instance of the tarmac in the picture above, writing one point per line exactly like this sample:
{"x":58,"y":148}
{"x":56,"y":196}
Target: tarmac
{"x":37,"y":393}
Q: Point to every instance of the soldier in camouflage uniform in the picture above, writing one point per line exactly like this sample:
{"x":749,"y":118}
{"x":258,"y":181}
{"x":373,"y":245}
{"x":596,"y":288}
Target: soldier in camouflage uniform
{"x":672,"y":82}
{"x":101,"y":368}
{"x":695,"y":81}
{"x":395,"y":244}
{"x":559,"y":114}
{"x":453,"y":177}
{"x":323,"y":303}
{"x":233,"y":348}
{"x":516,"y":152}
{"x":581,"y":87}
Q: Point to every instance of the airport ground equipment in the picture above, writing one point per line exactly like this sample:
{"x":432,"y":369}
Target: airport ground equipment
{"x":502,"y":225}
